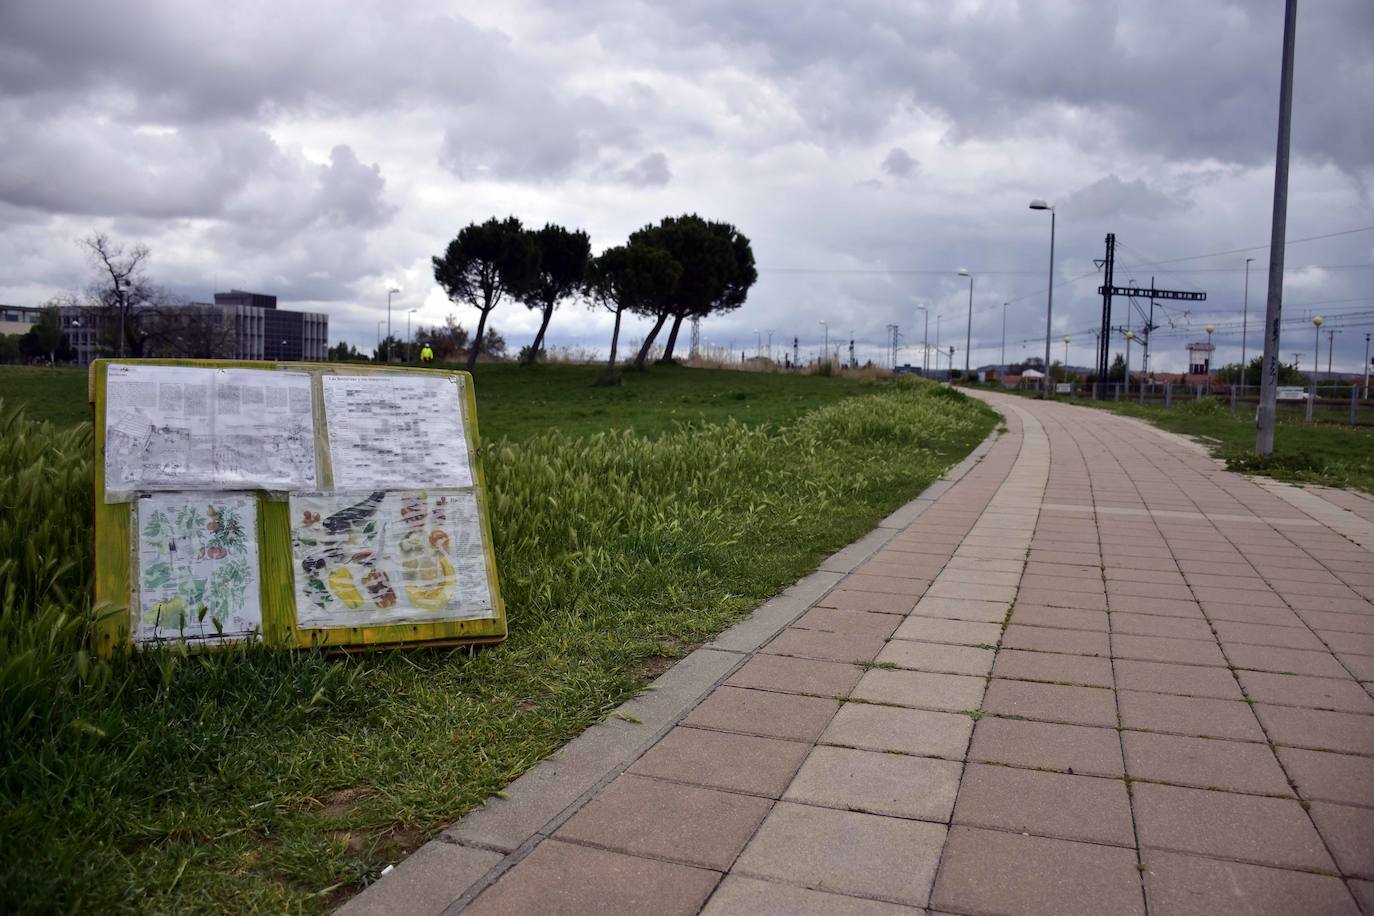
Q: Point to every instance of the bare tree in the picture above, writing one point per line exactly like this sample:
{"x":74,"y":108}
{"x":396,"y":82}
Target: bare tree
{"x":186,"y":331}
{"x":127,"y":287}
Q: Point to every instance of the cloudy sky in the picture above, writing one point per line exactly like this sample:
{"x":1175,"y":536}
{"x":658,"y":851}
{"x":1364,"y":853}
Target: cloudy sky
{"x":324,"y":151}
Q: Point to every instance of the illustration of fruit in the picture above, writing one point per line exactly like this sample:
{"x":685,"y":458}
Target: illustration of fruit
{"x":434,"y":597}
{"x":216,"y":553}
{"x":341,"y":583}
{"x":438,"y":539}
{"x":378,"y":586}
{"x":413,"y":512}
{"x":354,"y":516}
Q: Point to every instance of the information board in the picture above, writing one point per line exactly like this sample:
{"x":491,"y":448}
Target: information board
{"x":297,"y":503}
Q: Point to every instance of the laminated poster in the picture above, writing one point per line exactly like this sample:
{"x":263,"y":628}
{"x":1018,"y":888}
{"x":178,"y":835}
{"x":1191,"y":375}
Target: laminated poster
{"x":181,"y":428}
{"x":396,"y":431}
{"x":197,"y":567}
{"x":367,"y":559}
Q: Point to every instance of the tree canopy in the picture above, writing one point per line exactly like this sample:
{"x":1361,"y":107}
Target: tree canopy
{"x":562,"y":267}
{"x":485,"y":263}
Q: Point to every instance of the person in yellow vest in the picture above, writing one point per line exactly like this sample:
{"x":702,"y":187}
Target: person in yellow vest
{"x":426,"y":354}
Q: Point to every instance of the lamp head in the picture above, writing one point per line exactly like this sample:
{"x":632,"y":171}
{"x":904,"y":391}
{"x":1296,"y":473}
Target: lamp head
{"x":1210,"y":329}
{"x":1318,"y":321}
{"x":1039,"y":204}
{"x":963,"y":271}
{"x":1066,"y":338}
{"x":1130,"y":335}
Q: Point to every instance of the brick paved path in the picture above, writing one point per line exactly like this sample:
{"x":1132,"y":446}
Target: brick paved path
{"x":1170,"y":719}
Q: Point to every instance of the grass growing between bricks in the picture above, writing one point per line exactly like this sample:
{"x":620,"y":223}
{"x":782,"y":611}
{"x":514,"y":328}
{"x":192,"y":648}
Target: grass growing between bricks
{"x":256,"y":781}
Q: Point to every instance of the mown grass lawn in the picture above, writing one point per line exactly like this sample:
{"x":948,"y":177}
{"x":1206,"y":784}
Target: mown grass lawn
{"x":252,"y":781}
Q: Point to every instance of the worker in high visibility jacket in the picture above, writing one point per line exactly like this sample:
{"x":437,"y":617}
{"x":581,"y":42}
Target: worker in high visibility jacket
{"x":426,"y":354}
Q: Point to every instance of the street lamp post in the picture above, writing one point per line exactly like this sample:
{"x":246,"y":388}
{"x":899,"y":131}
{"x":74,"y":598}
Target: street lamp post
{"x":1366,"y":366}
{"x":770,"y":345}
{"x":1004,"y":338}
{"x":1130,"y":335}
{"x":758,"y":342}
{"x":925,"y":342}
{"x":389,"y":291}
{"x":1210,"y":352}
{"x":1244,"y":320}
{"x":410,"y":339}
{"x":968,"y":334}
{"x":379,"y":341}
{"x":938,"y":319}
{"x":1066,"y":357}
{"x":1038,"y":204}
{"x":1316,"y":356}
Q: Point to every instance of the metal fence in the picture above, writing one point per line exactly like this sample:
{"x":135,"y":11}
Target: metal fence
{"x":1334,"y":402}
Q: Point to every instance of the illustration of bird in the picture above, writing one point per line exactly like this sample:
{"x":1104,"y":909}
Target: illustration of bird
{"x":354,"y":516}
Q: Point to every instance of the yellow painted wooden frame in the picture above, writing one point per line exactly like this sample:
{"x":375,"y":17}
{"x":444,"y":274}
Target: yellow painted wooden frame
{"x":113,"y":580}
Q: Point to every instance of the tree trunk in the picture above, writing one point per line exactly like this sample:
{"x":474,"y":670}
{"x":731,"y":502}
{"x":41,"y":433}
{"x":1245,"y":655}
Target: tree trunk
{"x":649,"y":341}
{"x":477,"y":340}
{"x":615,"y":340}
{"x":672,"y":339}
{"x":539,"y":338}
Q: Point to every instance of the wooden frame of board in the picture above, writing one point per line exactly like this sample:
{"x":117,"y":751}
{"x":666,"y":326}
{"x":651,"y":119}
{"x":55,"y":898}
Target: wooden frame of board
{"x":113,"y":585}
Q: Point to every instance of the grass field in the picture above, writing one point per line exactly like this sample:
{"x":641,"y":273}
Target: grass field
{"x":251,"y":781}
{"x":516,"y":402}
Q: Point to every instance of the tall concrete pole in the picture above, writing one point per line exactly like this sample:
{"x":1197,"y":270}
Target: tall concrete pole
{"x":1273,"y":311}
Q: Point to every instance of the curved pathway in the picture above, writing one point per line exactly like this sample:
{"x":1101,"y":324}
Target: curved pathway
{"x":1093,"y":672}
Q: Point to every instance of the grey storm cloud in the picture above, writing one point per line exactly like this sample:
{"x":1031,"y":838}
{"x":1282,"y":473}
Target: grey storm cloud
{"x":899,"y":164}
{"x":322,"y":150}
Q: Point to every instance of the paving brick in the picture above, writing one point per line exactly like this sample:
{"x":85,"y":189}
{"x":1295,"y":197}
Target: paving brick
{"x":1177,"y":592}
{"x":691,"y":825}
{"x":797,"y":675}
{"x":1361,"y":666}
{"x":1311,"y":692}
{"x":986,"y":871}
{"x":835,"y":647}
{"x":962,"y":609}
{"x":1084,"y":584}
{"x":1338,"y":622}
{"x":952,"y":632}
{"x":1051,"y":702}
{"x":1087,"y":808}
{"x":1184,"y":680}
{"x":1266,"y":831}
{"x":1329,"y":776}
{"x":1243,"y":613}
{"x":758,"y":712}
{"x":1167,"y":649}
{"x":923,"y":656}
{"x":743,"y":763}
{"x":858,"y":623}
{"x":1207,"y":763}
{"x":559,"y":878}
{"x":1064,"y":618}
{"x":886,"y":858}
{"x":1046,"y":639}
{"x":1056,"y":597}
{"x":424,"y":884}
{"x":1364,"y":893}
{"x":1151,"y":625}
{"x":890,"y":585}
{"x":907,"y":731}
{"x":1285,"y":661}
{"x":1053,"y":667}
{"x":878,"y":783}
{"x":951,"y":692}
{"x":1044,"y":745}
{"x":741,"y":896}
{"x":945,"y":588}
{"x":1199,"y":716}
{"x":1256,"y":634}
{"x":1310,"y":728}
{"x":1180,"y":885}
{"x":1160,"y":607}
{"x":853,"y":600}
{"x":1349,"y":833}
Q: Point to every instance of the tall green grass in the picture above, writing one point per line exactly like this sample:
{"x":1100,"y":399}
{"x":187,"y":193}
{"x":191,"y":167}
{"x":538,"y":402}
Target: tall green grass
{"x":252,"y":780}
